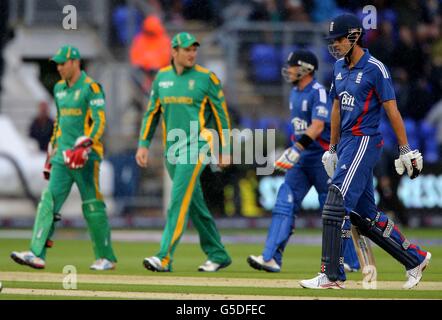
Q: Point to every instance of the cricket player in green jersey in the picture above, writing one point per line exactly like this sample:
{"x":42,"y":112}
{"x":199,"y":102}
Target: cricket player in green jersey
{"x":188,"y":97}
{"x":74,"y":156}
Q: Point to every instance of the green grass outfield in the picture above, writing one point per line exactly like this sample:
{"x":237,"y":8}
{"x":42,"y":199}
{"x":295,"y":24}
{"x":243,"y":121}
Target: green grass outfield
{"x":131,"y":281}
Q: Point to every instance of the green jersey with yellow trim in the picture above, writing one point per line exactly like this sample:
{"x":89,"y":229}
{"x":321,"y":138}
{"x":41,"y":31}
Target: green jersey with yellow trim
{"x":191,"y":102}
{"x":80,"y":112}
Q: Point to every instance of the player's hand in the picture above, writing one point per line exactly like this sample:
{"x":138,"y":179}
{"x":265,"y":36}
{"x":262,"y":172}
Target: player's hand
{"x":48,"y":166}
{"x":329,"y":160}
{"x":411,"y":161}
{"x":76,"y":157}
{"x":142,"y":156}
{"x":288,"y":159}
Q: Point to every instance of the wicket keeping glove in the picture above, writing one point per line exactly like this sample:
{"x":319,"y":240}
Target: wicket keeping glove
{"x":76,"y":157}
{"x":288,"y":159}
{"x":412,"y":161}
{"x":329,"y":160}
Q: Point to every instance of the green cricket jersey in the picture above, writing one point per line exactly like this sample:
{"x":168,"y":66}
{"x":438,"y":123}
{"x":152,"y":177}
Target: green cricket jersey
{"x":192,"y":100}
{"x":80,"y":112}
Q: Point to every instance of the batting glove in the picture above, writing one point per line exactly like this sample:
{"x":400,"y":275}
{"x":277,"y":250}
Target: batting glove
{"x":76,"y":157}
{"x":329,"y":160}
{"x":412,"y":161}
{"x":288,"y":159}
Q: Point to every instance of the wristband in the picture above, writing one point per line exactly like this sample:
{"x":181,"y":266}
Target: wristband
{"x":332,"y":148}
{"x":404,"y":149}
{"x":305,"y":141}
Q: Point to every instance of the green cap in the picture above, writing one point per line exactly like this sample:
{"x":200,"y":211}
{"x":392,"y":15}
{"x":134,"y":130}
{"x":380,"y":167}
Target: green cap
{"x":184,"y":40}
{"x":66,"y":53}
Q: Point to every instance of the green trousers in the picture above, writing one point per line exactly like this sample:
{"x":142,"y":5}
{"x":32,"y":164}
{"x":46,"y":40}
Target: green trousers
{"x":187,"y":199}
{"x":94,"y":210}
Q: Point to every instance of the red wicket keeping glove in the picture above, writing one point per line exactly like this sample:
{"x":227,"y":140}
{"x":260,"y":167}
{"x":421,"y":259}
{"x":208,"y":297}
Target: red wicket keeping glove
{"x":76,"y":157}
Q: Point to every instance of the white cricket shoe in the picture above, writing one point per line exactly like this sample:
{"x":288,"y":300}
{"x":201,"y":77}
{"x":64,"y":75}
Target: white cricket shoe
{"x":258,"y":263}
{"x":321,"y":281}
{"x":210,"y":266}
{"x":154,"y":264}
{"x":415,"y":275}
{"x":102,"y":264}
{"x":28,"y":258}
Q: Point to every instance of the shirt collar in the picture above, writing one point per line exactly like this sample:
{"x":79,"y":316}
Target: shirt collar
{"x":307,"y":87}
{"x":362,"y":61}
{"x":184,"y":71}
{"x":79,"y":82}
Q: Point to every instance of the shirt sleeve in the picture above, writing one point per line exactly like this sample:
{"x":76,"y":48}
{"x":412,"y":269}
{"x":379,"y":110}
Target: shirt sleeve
{"x":96,"y":108}
{"x":219,"y":109}
{"x":320,"y":108}
{"x":53,"y":140}
{"x":151,"y":117}
{"x":383,"y":84}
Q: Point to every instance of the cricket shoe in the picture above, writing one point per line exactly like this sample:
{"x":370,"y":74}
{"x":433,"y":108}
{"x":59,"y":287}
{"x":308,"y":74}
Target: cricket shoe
{"x":28,"y":258}
{"x":258,"y":263}
{"x":321,"y":281}
{"x":347,"y":268}
{"x":102,"y":264}
{"x":154,"y":264}
{"x":210,"y":266}
{"x":415,"y":275}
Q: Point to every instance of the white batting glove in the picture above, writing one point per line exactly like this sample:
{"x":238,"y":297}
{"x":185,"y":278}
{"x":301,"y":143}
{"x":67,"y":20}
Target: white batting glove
{"x":329,"y":160}
{"x":288,"y":159}
{"x":412,"y":161}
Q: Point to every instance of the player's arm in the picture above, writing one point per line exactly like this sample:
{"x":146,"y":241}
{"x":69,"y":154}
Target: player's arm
{"x":330,"y":157}
{"x":409,"y":160}
{"x":52,"y":144}
{"x":96,"y":105}
{"x":335,"y":123}
{"x":396,"y":122}
{"x":218,"y":107}
{"x":148,"y":125}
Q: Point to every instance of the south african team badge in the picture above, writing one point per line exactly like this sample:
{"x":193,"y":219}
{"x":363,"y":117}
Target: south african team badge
{"x":191,"y":84}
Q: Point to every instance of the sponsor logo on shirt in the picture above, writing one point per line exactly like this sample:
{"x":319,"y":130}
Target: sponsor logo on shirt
{"x":60,"y":94}
{"x":71,"y":112}
{"x":339,"y":76}
{"x":166,"y":84}
{"x":178,"y":100}
{"x":322,"y":111}
{"x":347,"y":101}
{"x":97,"y":102}
{"x":299,"y":125}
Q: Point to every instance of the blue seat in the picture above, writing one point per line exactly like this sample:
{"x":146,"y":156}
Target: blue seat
{"x":120,"y":21}
{"x":429,"y":140}
{"x":412,"y":133}
{"x":266,"y":63}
